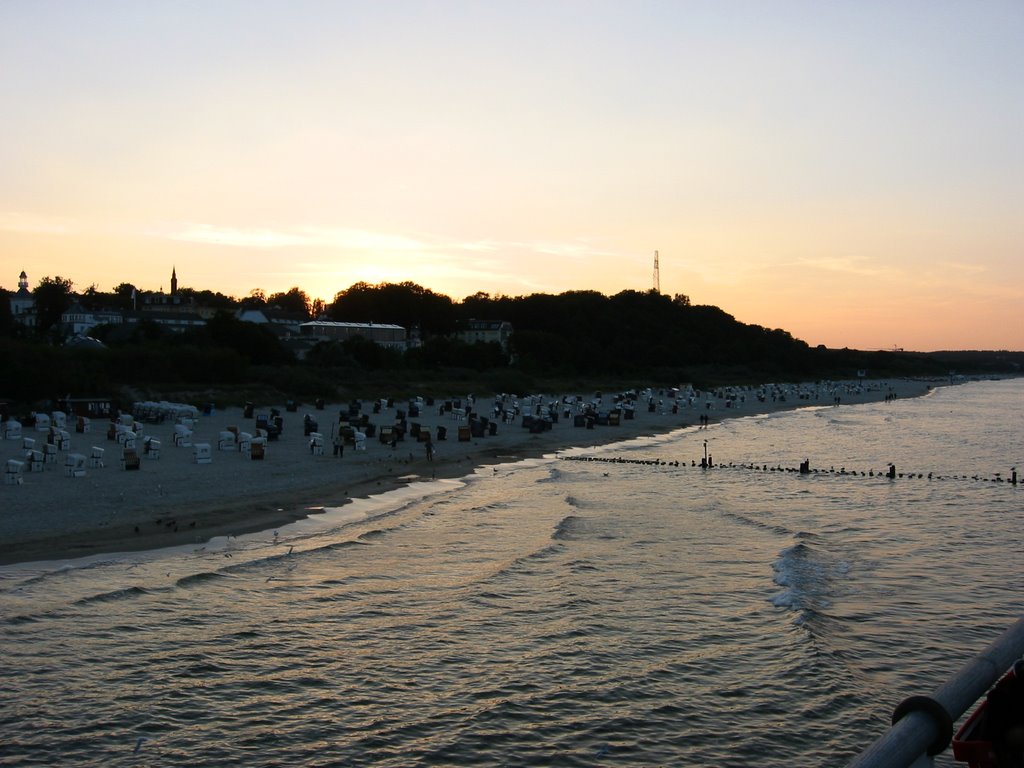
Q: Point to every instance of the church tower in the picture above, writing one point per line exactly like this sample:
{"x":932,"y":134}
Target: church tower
{"x":22,"y":282}
{"x":174,"y":282}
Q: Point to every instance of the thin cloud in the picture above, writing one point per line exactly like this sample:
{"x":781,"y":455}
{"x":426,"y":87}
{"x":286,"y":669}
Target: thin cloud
{"x":299,"y":237}
{"x":236,"y":238}
{"x":839,"y":264}
{"x":367,"y":240}
{"x":34,"y":224}
{"x":486,"y":264}
{"x":964,"y":267}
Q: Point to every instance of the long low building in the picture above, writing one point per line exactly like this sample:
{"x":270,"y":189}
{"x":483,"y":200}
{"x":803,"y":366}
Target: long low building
{"x":385,"y":334}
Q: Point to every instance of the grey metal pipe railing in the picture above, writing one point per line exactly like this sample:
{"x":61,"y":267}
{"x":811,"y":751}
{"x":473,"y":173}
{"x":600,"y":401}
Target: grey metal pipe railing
{"x":923,"y":724}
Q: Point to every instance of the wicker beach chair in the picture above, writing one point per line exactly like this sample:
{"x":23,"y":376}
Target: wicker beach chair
{"x":12,"y":472}
{"x":130,"y":459}
{"x":74,"y":465}
{"x":96,"y":458}
{"x":35,"y":460}
{"x":151,"y":448}
{"x":201,"y":453}
{"x":182,"y":436}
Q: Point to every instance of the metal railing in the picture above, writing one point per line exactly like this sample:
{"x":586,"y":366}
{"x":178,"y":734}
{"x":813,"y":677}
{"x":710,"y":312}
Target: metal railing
{"x":923,"y":725}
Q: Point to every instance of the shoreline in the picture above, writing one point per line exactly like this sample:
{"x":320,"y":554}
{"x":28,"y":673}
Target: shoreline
{"x":172,"y":501}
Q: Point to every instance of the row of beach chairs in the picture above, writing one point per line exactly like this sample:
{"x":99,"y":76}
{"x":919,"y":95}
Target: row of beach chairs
{"x":255,"y":449}
{"x":74,"y":464}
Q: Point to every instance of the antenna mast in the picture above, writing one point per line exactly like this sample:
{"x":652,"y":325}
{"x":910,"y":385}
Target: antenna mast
{"x":657,"y":278}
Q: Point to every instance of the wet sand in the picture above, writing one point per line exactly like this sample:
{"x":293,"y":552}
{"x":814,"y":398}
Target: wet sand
{"x":171,"y":500}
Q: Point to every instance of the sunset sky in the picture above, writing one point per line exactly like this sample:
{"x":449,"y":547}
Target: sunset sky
{"x":852,"y":172}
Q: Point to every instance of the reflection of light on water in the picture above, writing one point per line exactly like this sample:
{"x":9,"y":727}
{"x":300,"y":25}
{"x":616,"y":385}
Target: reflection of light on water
{"x":537,"y":600}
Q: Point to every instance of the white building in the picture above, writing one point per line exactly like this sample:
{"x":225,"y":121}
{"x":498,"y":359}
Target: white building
{"x":78,"y":320}
{"x":385,"y":334}
{"x":499,"y":331}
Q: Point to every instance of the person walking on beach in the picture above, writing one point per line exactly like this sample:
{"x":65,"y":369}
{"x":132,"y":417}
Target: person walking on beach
{"x":430,"y":449}
{"x":339,"y":444}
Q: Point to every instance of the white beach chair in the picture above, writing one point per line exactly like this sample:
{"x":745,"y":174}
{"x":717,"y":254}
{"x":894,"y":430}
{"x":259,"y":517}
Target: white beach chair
{"x":316,"y":444}
{"x":226,"y":441}
{"x":42,"y":422}
{"x":201,"y":453}
{"x":62,"y":439}
{"x":83,"y":425}
{"x":12,"y":473}
{"x":49,"y":453}
{"x":59,"y":419}
{"x":28,"y":443}
{"x":151,"y":448}
{"x":96,"y":458}
{"x":35,"y":460}
{"x":360,"y":441}
{"x":182,"y":436}
{"x":244,"y":442}
{"x":12,"y":430}
{"x":74,"y":465}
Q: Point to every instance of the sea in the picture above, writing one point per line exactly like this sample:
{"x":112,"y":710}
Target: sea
{"x":611,"y":606}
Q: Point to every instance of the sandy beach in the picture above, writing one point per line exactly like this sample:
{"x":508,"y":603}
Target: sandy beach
{"x":171,"y":499}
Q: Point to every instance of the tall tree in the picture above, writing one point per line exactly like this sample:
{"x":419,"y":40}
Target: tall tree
{"x":207,"y":298}
{"x":53,"y":297}
{"x":126,"y":295}
{"x":294,"y":300}
{"x":406,"y":304}
{"x":256,"y":299}
{"x":6,"y":318}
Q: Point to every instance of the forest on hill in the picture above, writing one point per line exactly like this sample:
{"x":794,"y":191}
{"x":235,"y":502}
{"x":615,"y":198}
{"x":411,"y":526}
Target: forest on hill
{"x":566,"y":342}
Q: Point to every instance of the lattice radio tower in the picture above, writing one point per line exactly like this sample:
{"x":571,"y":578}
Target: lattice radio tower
{"x":657,"y":278}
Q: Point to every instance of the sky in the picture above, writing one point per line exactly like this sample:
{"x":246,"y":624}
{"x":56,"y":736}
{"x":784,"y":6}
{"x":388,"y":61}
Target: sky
{"x":850,"y":172}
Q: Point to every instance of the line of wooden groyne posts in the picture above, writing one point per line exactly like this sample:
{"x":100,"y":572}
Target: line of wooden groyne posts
{"x":805,"y":468}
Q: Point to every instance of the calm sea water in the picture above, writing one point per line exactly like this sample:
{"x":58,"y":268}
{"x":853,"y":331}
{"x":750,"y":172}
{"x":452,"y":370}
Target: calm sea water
{"x":551,"y":612}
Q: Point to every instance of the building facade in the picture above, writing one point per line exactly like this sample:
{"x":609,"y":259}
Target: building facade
{"x":499,"y":331}
{"x":79,"y":320}
{"x":387,"y":335}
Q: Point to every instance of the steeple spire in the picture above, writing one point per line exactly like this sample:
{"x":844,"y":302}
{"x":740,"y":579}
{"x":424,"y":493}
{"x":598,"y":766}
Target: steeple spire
{"x":174,"y":282}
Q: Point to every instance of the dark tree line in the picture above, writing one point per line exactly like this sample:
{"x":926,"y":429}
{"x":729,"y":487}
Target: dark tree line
{"x":575,"y":335}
